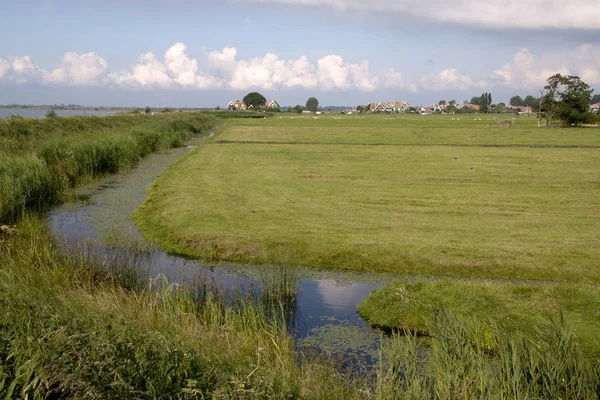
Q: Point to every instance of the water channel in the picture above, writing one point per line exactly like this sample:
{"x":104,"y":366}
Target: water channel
{"x":325,"y":318}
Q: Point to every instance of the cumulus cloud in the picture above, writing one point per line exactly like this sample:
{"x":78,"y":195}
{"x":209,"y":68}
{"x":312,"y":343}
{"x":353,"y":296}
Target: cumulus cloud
{"x":533,"y":14}
{"x":531,"y":70}
{"x":78,"y":69}
{"x":176,"y":70}
{"x":334,"y":73}
{"x":4,"y":67}
{"x":148,"y":72}
{"x":451,"y":79}
{"x":394,"y":80}
{"x":271,"y":72}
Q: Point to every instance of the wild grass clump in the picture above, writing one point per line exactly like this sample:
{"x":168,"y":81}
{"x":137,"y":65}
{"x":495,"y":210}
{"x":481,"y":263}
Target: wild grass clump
{"x":40,"y":159}
{"x":70,"y":328}
{"x":26,"y":183}
{"x":457,"y":365}
{"x":410,"y":306}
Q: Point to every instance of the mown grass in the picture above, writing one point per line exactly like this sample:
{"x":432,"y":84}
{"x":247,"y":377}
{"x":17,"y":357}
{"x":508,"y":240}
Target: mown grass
{"x":417,"y":202}
{"x":42,"y":158}
{"x":411,"y":307}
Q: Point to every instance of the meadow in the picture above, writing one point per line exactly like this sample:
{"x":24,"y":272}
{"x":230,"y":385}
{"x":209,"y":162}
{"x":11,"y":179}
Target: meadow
{"x":424,"y":195}
{"x":392,"y":196}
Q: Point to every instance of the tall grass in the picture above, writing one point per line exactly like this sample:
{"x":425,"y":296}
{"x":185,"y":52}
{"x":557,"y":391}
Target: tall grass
{"x":40,"y":159}
{"x":70,"y":328}
{"x":458,"y":365}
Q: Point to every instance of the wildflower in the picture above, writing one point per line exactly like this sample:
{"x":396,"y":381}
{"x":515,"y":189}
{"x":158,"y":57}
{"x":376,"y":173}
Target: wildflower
{"x":242,"y":386}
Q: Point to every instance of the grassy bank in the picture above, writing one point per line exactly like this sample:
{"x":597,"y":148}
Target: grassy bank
{"x":516,"y":307}
{"x":42,"y":158}
{"x":421,"y":195}
{"x":69,"y":329}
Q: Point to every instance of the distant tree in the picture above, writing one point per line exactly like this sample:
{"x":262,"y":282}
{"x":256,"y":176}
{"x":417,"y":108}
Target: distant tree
{"x":516,"y":101}
{"x":255,"y":99}
{"x":218,"y":108}
{"x":148,"y":110}
{"x":531,"y":101}
{"x":484,"y":102}
{"x":475,"y":100}
{"x":500,"y":108}
{"x":298,"y":109}
{"x":312,"y":104}
{"x":452,"y":102}
{"x":51,"y":114}
{"x":595,"y":99}
{"x":442,"y":102}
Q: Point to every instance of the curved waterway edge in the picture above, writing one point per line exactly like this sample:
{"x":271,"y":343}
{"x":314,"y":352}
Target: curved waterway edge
{"x":325,"y":316}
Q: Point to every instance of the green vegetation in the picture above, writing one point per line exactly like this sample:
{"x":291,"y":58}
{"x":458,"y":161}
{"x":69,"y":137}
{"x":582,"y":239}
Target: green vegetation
{"x":422,"y":195}
{"x":69,"y":329}
{"x":520,"y":307}
{"x":465,"y":360}
{"x":41,"y":158}
{"x":255,"y":100}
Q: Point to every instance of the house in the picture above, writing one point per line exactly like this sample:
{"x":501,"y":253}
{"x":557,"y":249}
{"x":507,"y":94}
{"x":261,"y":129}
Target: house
{"x":271,"y":104}
{"x":240,"y":105}
{"x":439,"y":108}
{"x":474,"y":107}
{"x":236,"y":105}
{"x":389,"y":106}
{"x":595,"y":107}
{"x":521,"y":109}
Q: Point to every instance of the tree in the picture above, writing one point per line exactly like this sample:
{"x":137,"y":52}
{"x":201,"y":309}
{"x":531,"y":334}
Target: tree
{"x":51,"y":114}
{"x":500,"y":108}
{"x":484,"y":102}
{"x":475,"y":100}
{"x":255,"y":99}
{"x":148,"y":110}
{"x":452,"y":102}
{"x":312,"y":104}
{"x":516,"y":101}
{"x":595,"y":99}
{"x":298,"y":109}
{"x":442,"y":102}
{"x":218,"y":108}
{"x":531,"y":101}
{"x":575,"y":96}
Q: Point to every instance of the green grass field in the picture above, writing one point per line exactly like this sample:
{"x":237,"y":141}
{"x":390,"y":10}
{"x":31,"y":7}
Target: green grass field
{"x":415,"y":194}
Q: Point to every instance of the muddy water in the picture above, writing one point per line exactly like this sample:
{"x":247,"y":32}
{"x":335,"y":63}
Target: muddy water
{"x":325,"y":318}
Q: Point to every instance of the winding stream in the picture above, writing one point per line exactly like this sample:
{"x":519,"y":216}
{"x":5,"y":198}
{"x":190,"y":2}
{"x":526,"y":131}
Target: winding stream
{"x":326,"y":316}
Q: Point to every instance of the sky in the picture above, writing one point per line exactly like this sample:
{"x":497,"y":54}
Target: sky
{"x":193,"y":53}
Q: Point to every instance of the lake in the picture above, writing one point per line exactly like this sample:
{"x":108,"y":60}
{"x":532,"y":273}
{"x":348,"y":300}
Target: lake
{"x":41,"y":112}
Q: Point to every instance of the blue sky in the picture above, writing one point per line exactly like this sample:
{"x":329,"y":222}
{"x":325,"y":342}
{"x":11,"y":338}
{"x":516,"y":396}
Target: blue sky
{"x":205,"y":53}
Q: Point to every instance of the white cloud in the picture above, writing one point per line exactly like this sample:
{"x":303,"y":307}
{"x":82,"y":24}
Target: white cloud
{"x":393,"y":80}
{"x":78,"y":69}
{"x":177,"y":70}
{"x":4,"y":67}
{"x":334,"y":73}
{"x":530,"y":70}
{"x":451,"y":79}
{"x":271,"y":72}
{"x":532,"y":14}
{"x":148,"y":72}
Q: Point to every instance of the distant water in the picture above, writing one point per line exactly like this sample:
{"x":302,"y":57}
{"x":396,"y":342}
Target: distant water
{"x":41,"y":112}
